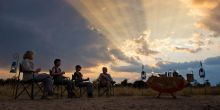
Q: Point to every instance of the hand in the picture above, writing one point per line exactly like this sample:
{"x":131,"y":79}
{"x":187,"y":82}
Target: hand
{"x":87,"y":79}
{"x":38,"y":70}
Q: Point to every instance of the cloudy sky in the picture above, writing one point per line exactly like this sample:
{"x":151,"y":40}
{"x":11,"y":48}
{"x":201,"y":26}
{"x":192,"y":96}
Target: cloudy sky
{"x":119,"y":34}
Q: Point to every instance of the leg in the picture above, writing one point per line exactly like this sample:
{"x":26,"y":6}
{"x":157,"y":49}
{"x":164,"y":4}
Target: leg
{"x":172,"y":94}
{"x":47,"y":82}
{"x":103,"y":87}
{"x":108,"y":88}
{"x":88,"y":86}
{"x":158,"y":95}
{"x":89,"y":89}
{"x":69,"y":87}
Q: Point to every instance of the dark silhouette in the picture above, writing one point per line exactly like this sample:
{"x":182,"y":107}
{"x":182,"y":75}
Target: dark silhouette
{"x":105,"y":81}
{"x":31,"y":74}
{"x":81,"y":82}
{"x":59,"y":79}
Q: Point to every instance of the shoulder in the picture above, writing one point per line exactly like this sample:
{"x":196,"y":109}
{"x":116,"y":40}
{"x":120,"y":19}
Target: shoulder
{"x":75,"y":73}
{"x":101,"y":73}
{"x":25,"y":61}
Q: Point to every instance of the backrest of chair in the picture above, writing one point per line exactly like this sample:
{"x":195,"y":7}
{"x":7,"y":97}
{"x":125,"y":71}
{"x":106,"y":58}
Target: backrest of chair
{"x":20,"y":71}
{"x":20,"y":68}
{"x":50,"y":72}
{"x":73,"y":77}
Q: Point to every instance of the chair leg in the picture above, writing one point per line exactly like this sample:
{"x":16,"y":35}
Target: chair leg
{"x":40,"y":89}
{"x":98,"y":91}
{"x":77,"y":91}
{"x":61,"y":93}
{"x":159,"y":95}
{"x":105,"y":91}
{"x":24,"y":89}
{"x":80,"y":92}
{"x":32,"y":91}
{"x":16,"y":91}
{"x":113,"y":91}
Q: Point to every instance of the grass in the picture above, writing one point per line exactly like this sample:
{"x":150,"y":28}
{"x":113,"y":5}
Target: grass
{"x":7,"y":90}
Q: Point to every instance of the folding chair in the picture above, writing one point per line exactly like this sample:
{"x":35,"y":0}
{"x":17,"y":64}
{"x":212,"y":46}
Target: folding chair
{"x":79,"y":91}
{"x":103,"y":90}
{"x":58,"y":87}
{"x":25,"y":85}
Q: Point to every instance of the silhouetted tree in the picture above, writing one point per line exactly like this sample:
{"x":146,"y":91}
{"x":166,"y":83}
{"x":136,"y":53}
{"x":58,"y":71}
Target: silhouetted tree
{"x":139,"y":84}
{"x":124,"y":82}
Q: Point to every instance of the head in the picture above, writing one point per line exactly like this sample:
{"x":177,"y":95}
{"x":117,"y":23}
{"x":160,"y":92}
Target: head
{"x":28,"y":55}
{"x":104,"y":70}
{"x":57,"y":62}
{"x":78,"y":68}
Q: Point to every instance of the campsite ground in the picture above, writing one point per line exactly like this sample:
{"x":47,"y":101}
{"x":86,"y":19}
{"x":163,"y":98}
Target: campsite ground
{"x":115,"y":103}
{"x":124,"y":99}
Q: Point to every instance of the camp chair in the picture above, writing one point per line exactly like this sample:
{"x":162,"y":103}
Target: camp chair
{"x":26,"y":85}
{"x":58,"y":87}
{"x":103,"y":90}
{"x":79,"y":91}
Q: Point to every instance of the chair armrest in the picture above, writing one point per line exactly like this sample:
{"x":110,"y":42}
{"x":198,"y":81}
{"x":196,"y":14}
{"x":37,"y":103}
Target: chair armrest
{"x":28,"y":71}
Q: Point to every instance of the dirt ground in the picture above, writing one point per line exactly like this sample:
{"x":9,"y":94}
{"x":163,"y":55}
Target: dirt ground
{"x":115,"y":103}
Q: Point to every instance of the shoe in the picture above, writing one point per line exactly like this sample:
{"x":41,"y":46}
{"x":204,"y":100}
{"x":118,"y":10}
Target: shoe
{"x":90,"y":95}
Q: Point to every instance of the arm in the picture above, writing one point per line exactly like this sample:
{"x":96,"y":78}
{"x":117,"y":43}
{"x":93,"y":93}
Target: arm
{"x":87,"y":79}
{"x":99,"y":78}
{"x":110,"y":78}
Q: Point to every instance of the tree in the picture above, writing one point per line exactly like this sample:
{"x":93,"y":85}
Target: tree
{"x":124,"y":82}
{"x":139,"y":84}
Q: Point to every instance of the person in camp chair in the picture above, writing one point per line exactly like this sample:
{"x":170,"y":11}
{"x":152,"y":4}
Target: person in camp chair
{"x":105,"y":79}
{"x":58,"y":77}
{"x":29,"y":73}
{"x":81,"y":82}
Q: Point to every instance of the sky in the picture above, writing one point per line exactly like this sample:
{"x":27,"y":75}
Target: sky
{"x":122,"y":35}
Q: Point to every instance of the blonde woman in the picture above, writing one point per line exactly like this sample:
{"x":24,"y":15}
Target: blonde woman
{"x":29,"y":72}
{"x":105,"y":79}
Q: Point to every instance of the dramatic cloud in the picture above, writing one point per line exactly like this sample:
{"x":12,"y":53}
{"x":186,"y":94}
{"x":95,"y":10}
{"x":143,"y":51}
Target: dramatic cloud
{"x":121,"y":56}
{"x":213,"y":61}
{"x":143,"y":48}
{"x":52,"y":30}
{"x":208,"y":10}
{"x":119,"y":34}
{"x":195,"y":44}
{"x":182,"y":49}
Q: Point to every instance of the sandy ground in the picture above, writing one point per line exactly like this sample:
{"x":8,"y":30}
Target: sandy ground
{"x":115,"y":103}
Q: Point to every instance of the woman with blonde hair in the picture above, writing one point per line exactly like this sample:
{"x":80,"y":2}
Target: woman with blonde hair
{"x":29,"y":73}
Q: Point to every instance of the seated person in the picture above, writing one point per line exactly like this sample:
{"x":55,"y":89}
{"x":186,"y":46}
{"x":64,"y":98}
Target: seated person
{"x":80,"y":82}
{"x":29,"y":73}
{"x":60,"y":79}
{"x":105,"y":79}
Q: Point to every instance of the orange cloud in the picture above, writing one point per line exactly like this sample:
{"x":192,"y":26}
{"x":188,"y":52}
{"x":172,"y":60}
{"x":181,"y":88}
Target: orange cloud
{"x":208,"y":13}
